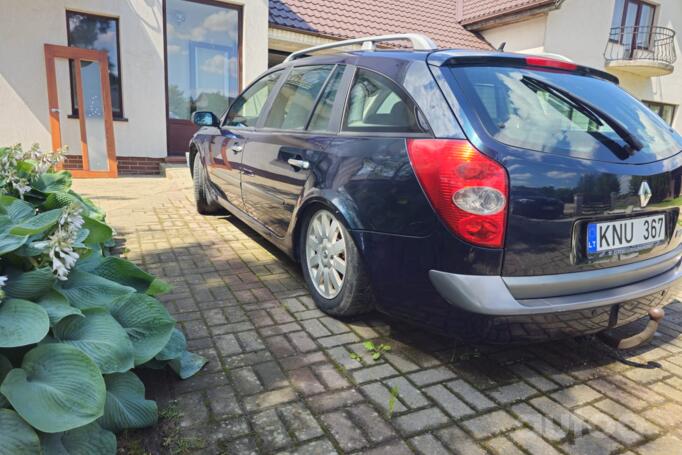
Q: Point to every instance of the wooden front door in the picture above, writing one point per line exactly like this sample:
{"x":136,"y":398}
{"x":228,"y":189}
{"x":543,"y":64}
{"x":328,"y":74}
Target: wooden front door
{"x":91,"y":74}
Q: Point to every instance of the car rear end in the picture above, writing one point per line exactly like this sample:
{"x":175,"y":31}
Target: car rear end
{"x":572,"y":181}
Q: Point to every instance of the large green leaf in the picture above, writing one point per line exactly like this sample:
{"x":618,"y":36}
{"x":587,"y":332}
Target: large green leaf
{"x":39,"y":223}
{"x":126,"y":407}
{"x":88,"y":440}
{"x":29,"y":285}
{"x":174,"y":348}
{"x":15,"y":209}
{"x":188,"y":364}
{"x":147,"y":322}
{"x":5,"y":367}
{"x":57,"y":306}
{"x":57,"y":388}
{"x":87,"y":290}
{"x":100,"y":337}
{"x":22,"y":323}
{"x":16,"y":436}
{"x":53,"y":182}
{"x":10,"y":242}
{"x":99,"y":232}
{"x":126,"y":273}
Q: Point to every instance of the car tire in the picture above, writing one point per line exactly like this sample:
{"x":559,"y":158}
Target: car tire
{"x":333,"y":271}
{"x":204,"y":207}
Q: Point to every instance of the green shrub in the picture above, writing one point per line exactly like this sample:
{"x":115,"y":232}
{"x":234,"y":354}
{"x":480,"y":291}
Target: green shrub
{"x":74,"y":320}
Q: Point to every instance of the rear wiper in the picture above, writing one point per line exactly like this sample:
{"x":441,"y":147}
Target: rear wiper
{"x":590,"y":111}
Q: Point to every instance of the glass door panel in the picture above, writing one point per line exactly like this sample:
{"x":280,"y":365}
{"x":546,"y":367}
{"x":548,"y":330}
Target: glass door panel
{"x":93,"y":107}
{"x":202,"y":58}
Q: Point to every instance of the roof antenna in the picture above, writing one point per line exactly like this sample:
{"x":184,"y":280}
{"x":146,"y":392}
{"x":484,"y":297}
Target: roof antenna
{"x":500,"y":48}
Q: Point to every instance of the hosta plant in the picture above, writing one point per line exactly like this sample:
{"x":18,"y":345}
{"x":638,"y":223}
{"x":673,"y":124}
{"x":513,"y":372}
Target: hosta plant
{"x":74,"y":319}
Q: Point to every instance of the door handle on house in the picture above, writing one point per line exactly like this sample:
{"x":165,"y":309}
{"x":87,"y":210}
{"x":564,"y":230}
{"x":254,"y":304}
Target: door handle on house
{"x":301,"y":164}
{"x":237,"y":148}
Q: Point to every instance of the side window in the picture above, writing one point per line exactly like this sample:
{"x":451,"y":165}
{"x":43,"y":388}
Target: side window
{"x":246,"y":108}
{"x":323,"y":111}
{"x":377,"y":104}
{"x":295,"y":101}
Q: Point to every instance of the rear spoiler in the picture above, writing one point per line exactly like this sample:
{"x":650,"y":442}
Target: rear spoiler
{"x":457,"y":58}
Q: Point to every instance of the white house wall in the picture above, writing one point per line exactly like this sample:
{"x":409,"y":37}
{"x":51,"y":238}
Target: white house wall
{"x":26,"y":25}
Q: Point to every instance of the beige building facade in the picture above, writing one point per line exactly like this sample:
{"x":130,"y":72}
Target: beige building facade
{"x":167,"y":58}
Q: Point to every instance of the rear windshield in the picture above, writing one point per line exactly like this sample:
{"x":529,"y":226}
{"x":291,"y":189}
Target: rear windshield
{"x":564,"y":113}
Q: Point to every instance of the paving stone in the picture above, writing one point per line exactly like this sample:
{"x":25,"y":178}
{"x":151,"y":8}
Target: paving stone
{"x":293,"y":363}
{"x":250,"y":341}
{"x":267,"y":399}
{"x":502,"y":446}
{"x":315,"y":328}
{"x":334,"y":325}
{"x":407,"y":393}
{"x":512,"y":392}
{"x":381,"y":396}
{"x":347,"y":434}
{"x":427,"y":444}
{"x":229,"y":429}
{"x":270,"y":430}
{"x":668,"y":415}
{"x":371,"y":422}
{"x":417,"y":421}
{"x":330,"y":376}
{"x":532,"y":442}
{"x":565,"y":418}
{"x":227,"y":345}
{"x":536,"y":379}
{"x":280,"y":346}
{"x":302,"y":342}
{"x":334,"y":400}
{"x":319,"y":447}
{"x":459,"y":442}
{"x":619,"y":395}
{"x":452,"y":405}
{"x":610,"y":426}
{"x":270,"y":375}
{"x":300,"y":422}
{"x":400,"y":363}
{"x":539,"y":423}
{"x":245,"y":381}
{"x":592,"y":443}
{"x":336,"y":340}
{"x":242,"y":446}
{"x":304,"y":381}
{"x":223,"y":402}
{"x":390,"y":448}
{"x":668,"y":445}
{"x":629,"y":418}
{"x":431,"y":376}
{"x":487,"y":425}
{"x":576,"y":396}
{"x":193,"y":410}
{"x":470,"y":395}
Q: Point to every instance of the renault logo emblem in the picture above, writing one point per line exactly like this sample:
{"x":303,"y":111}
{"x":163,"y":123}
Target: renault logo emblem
{"x":644,"y":194}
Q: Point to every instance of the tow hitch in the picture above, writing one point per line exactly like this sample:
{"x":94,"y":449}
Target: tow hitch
{"x":655,"y":317}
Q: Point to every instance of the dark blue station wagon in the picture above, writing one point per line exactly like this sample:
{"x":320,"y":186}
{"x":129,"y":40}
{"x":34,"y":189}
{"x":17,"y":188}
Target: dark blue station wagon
{"x":486,"y":195}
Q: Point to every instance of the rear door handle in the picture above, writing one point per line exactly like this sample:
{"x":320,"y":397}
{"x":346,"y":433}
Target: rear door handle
{"x":301,"y":164}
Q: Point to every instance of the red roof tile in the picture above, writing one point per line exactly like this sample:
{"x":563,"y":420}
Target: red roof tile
{"x":477,"y":10}
{"x":352,"y":19}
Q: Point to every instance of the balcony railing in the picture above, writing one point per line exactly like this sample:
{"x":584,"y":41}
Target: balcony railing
{"x":641,"y":43}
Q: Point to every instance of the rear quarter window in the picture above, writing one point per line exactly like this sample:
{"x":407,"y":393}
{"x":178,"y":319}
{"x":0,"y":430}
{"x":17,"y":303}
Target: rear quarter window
{"x":376,"y":104}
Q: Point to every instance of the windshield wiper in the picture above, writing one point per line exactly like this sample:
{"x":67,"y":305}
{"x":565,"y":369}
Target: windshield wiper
{"x":589,"y":110}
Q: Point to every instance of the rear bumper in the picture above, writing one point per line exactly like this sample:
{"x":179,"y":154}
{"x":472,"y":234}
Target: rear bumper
{"x":549,"y":294}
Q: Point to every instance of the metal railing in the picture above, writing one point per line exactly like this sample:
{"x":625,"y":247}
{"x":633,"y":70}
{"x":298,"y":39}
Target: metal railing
{"x":655,"y":44}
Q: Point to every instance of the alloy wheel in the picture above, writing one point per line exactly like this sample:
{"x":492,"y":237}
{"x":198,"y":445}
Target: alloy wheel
{"x":326,"y":254}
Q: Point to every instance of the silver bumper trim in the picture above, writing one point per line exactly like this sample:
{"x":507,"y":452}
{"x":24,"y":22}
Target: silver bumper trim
{"x":490,"y":295}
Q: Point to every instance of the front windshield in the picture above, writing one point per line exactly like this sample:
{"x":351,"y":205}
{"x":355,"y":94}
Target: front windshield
{"x":540,"y":110}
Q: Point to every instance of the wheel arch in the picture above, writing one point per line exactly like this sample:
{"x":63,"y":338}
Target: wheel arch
{"x":342,"y":208}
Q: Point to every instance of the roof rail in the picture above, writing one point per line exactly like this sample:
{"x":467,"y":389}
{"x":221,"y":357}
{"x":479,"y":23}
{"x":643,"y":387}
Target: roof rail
{"x":419,"y":42}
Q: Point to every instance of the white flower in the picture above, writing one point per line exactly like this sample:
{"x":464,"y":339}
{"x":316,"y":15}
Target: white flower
{"x":60,"y":243}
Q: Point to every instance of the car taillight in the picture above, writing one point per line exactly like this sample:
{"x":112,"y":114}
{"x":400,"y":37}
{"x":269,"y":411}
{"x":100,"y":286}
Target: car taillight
{"x":468,"y":190}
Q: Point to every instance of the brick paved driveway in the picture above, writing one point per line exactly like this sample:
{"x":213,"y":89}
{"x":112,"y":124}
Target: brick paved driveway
{"x":281,"y":377}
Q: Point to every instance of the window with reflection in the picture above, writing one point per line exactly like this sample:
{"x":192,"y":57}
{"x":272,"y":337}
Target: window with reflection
{"x":202,"y":51}
{"x":100,"y":33}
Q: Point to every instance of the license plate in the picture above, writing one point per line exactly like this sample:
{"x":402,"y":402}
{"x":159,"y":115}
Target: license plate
{"x":631,"y":234}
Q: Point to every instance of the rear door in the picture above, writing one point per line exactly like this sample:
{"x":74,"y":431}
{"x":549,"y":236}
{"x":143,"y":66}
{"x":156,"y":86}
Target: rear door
{"x":227,"y":149}
{"x":594,"y":174}
{"x":280,"y":154}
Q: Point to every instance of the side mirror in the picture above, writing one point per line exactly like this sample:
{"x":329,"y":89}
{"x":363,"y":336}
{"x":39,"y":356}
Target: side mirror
{"x":205,"y":118}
